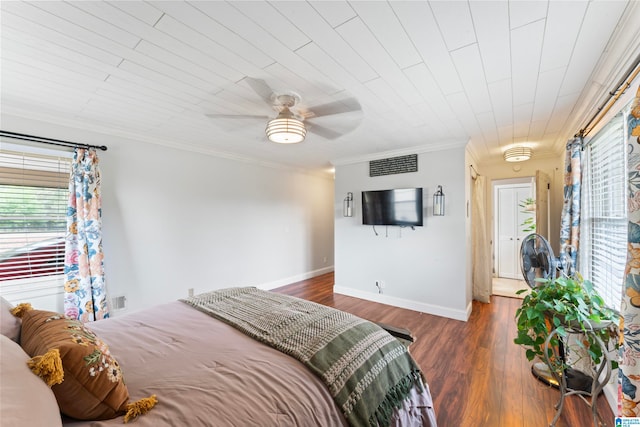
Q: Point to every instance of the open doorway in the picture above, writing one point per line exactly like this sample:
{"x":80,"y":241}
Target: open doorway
{"x":513,"y":219}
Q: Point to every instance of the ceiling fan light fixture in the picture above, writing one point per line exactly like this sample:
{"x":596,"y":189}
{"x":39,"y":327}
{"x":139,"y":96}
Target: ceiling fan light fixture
{"x":517,"y":154}
{"x":286,"y":129}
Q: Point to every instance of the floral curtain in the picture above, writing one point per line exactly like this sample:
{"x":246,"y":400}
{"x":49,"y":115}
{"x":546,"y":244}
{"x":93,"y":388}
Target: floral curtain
{"x":85,"y":295}
{"x":570,"y":221}
{"x":629,"y":372}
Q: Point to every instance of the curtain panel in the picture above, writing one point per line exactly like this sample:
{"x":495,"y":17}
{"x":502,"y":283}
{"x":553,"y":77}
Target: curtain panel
{"x":629,"y":372}
{"x":570,"y":220}
{"x":481,"y":273}
{"x":85,"y":294}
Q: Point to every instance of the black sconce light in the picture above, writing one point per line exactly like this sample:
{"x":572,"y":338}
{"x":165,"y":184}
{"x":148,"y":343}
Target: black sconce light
{"x":347,"y":205}
{"x":438,"y":202}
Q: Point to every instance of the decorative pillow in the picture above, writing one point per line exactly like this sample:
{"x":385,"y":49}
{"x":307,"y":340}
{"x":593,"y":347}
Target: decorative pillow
{"x":85,"y":377}
{"x":24,"y":399}
{"x":9,"y":325}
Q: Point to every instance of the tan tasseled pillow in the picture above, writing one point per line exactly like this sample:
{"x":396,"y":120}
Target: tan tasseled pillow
{"x":91,"y":386}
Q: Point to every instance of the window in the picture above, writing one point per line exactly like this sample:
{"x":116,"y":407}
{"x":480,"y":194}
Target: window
{"x":604,"y":212}
{"x":33,"y":202}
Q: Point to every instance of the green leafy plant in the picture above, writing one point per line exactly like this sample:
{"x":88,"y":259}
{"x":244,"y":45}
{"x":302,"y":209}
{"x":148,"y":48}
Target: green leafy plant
{"x":564,"y":304}
{"x":529,"y":224}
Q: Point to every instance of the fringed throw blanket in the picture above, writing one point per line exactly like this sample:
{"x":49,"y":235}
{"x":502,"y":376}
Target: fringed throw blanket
{"x":368,"y":372}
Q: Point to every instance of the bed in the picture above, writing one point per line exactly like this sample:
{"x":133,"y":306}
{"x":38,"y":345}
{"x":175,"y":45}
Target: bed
{"x":207,"y":372}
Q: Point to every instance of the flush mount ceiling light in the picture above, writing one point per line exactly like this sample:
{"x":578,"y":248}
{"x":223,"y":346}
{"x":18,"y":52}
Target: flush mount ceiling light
{"x":517,"y":154}
{"x":286,"y":129}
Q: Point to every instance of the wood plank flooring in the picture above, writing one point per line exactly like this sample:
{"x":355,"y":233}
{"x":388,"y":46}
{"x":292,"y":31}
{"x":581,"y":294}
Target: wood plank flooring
{"x":478,"y":377}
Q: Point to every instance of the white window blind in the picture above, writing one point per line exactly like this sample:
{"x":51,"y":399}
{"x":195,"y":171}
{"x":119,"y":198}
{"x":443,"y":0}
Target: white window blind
{"x":33,"y":203}
{"x":605,"y":212}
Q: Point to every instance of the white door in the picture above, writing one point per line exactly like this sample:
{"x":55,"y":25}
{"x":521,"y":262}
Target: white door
{"x":509,"y":225}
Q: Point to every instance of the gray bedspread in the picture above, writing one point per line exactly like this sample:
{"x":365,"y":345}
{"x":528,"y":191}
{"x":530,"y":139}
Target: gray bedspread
{"x":206,"y":373}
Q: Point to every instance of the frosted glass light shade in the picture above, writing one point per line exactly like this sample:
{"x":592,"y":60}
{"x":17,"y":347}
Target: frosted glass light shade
{"x":286,"y":130}
{"x":517,"y":154}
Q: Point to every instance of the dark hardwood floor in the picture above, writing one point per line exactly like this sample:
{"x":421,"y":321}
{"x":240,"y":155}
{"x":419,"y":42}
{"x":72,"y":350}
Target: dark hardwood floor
{"x":478,"y":377}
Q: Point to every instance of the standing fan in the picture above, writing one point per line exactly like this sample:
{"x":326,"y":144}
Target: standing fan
{"x":538,"y":262}
{"x":536,"y":259}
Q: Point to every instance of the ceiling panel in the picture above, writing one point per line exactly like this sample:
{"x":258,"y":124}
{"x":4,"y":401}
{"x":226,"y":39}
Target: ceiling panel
{"x":335,"y":12}
{"x":363,"y":41}
{"x":455,"y":23}
{"x":526,"y":47}
{"x":599,"y":22}
{"x":82,"y":22}
{"x":140,"y":10}
{"x":500,"y":93}
{"x":469,"y":65}
{"x":383,"y":23}
{"x":560,"y":34}
{"x":527,"y":11}
{"x":425,"y":73}
{"x":267,"y":17}
{"x":491,"y":23}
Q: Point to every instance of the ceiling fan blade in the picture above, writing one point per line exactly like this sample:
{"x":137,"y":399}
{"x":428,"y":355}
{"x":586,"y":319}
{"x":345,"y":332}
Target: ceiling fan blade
{"x":337,"y":107}
{"x":322,"y":131}
{"x":261,"y":87}
{"x":237,"y":116}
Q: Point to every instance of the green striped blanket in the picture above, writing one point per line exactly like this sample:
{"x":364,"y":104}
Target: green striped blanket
{"x":368,"y":372}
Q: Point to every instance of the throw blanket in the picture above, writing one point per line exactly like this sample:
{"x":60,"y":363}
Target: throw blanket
{"x":368,"y":372}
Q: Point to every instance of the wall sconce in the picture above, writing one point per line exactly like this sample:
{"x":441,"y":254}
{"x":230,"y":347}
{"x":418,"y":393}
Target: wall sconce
{"x":347,"y":205}
{"x":438,"y":202}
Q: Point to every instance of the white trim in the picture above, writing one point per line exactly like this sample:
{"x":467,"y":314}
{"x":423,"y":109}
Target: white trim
{"x":113,"y":133}
{"x":292,"y":279}
{"x":407,"y":304}
{"x":611,"y":392}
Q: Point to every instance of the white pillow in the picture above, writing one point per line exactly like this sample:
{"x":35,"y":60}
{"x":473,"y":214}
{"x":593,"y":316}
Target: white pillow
{"x":9,"y":324}
{"x":25,"y":400}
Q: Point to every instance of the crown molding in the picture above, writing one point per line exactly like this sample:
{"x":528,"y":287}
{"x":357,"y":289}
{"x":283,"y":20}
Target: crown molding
{"x":110,"y":133}
{"x":401,"y":152}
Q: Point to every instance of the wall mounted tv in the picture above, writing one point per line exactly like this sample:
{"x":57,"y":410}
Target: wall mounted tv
{"x":401,"y":207}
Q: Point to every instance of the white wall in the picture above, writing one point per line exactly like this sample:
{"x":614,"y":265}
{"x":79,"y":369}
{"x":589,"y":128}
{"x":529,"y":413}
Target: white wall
{"x":175,"y":220}
{"x":423,"y":269}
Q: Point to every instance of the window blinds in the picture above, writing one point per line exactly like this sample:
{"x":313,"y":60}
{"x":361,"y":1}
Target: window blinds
{"x":33,"y":203}
{"x":606,"y":212}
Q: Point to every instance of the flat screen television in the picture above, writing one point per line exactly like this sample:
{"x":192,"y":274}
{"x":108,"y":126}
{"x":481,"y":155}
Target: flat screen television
{"x":401,"y":207}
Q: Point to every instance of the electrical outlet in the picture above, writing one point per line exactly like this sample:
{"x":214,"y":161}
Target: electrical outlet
{"x":379,"y":285}
{"x":190,"y":291}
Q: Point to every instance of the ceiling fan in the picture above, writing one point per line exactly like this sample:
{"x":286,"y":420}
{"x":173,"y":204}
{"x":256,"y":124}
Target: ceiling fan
{"x":294,"y":120}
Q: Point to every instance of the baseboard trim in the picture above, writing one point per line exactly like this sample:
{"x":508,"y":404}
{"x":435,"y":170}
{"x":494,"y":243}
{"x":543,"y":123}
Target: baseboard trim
{"x":404,"y":303}
{"x":611,"y":393}
{"x":292,"y":279}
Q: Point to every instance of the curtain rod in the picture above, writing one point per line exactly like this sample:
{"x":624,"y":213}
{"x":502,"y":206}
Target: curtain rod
{"x":620,"y":88}
{"x":51,"y":141}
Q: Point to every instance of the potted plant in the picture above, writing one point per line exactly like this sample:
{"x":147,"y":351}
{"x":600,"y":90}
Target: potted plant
{"x":566,"y":304}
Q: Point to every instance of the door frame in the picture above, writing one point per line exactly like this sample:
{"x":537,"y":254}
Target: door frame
{"x":495,"y":185}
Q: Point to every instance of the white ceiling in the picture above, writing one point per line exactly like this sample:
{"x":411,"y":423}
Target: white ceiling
{"x":427,"y":74}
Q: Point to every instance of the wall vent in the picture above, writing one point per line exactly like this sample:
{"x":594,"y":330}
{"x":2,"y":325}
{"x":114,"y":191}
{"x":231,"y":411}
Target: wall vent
{"x":394,"y":165}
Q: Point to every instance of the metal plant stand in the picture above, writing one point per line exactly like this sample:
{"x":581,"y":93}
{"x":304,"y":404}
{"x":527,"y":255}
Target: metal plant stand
{"x":601,"y":373}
